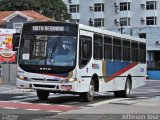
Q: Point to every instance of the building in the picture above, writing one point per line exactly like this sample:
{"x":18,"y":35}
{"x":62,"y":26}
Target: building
{"x":140,"y":18}
{"x":15,"y":19}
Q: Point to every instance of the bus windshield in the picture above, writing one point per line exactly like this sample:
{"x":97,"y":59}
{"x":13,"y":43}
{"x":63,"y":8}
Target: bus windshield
{"x":48,"y":50}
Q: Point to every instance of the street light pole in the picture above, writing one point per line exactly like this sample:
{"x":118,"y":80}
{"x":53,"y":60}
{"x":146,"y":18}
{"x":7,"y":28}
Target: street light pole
{"x":131,"y":31}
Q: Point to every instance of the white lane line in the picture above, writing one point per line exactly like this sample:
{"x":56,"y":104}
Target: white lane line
{"x":22,"y":102}
{"x":26,"y":99}
{"x":54,"y":111}
{"x":15,"y":97}
{"x":107,"y":102}
{"x":9,"y":108}
{"x":33,"y":109}
{"x":44,"y":104}
{"x":24,"y":96}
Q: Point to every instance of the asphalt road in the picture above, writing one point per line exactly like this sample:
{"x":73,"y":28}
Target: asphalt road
{"x":26,"y":106}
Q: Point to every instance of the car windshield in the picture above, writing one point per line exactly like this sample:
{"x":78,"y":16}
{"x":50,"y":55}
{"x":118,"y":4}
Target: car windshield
{"x":49,"y":50}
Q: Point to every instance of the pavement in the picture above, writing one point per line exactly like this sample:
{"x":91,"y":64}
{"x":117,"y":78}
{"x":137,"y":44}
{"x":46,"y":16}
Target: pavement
{"x":11,"y":88}
{"x":147,"y":100}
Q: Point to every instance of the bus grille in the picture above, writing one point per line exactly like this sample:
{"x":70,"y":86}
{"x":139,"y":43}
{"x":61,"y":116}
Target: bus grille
{"x":38,"y":79}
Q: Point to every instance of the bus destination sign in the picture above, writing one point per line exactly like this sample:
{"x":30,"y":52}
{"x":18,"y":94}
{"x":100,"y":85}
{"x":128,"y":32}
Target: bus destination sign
{"x":49,"y":28}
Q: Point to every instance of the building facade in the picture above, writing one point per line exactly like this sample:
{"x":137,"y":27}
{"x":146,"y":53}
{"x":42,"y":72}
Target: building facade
{"x":16,"y":19}
{"x":140,"y":18}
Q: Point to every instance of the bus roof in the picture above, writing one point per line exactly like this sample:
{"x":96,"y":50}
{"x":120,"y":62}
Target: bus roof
{"x":91,"y":29}
{"x":110,"y":33}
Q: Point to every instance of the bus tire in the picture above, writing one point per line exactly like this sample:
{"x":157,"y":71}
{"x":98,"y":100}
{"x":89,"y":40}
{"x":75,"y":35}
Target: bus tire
{"x":89,"y":96}
{"x":126,"y":92}
{"x":42,"y":95}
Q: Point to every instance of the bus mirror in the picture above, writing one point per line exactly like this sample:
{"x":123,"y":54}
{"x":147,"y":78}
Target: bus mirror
{"x":15,"y":41}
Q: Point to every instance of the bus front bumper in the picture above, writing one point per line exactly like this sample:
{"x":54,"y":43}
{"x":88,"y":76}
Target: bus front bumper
{"x":49,"y":86}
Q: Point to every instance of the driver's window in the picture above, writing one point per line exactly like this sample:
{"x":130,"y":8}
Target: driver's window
{"x":85,"y":50}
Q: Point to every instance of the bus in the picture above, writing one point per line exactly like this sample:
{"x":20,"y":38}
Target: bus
{"x":57,"y":57}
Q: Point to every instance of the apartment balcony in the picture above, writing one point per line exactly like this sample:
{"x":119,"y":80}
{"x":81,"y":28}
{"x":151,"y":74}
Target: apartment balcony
{"x":75,"y":15}
{"x":98,"y":15}
{"x":124,"y":14}
{"x":151,"y":13}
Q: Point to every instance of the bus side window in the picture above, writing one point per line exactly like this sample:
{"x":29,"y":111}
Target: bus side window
{"x":117,"y":51}
{"x":85,"y":50}
{"x":134,"y":51}
{"x":126,"y":50}
{"x":142,"y":53}
{"x":108,"y":47}
{"x":98,"y":47}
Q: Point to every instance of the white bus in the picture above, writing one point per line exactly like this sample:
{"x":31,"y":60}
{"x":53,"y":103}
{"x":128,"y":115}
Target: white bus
{"x":74,"y":58}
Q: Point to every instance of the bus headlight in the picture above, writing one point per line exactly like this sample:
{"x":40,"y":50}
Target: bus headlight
{"x":72,"y":79}
{"x":21,"y":77}
{"x":68,"y":80}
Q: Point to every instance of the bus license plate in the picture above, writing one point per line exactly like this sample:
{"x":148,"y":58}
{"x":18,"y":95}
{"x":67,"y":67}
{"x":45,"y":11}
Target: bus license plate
{"x":66,"y":87}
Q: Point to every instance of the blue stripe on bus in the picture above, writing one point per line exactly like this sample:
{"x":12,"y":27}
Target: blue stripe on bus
{"x":113,"y":67}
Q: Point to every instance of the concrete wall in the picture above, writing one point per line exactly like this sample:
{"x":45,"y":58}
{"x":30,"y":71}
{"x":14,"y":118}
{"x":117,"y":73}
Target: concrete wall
{"x":9,"y":73}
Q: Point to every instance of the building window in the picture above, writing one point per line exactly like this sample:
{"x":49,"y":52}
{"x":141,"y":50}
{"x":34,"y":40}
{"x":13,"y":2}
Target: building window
{"x":18,"y":27}
{"x":142,"y":35}
{"x":125,"y":21}
{"x":99,"y":7}
{"x":99,"y":22}
{"x":151,"y":5}
{"x":151,"y":20}
{"x":125,"y":6}
{"x":74,"y":20}
{"x":74,"y":8}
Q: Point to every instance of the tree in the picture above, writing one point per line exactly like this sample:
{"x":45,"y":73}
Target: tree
{"x":50,"y":8}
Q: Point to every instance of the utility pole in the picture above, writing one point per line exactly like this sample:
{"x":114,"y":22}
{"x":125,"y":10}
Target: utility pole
{"x":131,"y":31}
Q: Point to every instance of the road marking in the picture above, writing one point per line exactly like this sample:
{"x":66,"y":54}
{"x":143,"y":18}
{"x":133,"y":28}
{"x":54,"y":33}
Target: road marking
{"x":54,"y":111}
{"x":9,"y":107}
{"x":35,"y":106}
{"x":24,"y":96}
{"x":106,"y":102}
{"x":103,"y":94}
{"x":27,"y":99}
{"x":33,"y":109}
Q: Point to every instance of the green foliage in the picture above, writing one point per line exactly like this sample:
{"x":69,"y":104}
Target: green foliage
{"x":50,"y":8}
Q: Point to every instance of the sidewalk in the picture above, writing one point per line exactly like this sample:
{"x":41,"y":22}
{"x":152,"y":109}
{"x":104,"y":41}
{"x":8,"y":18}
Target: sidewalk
{"x":11,"y":88}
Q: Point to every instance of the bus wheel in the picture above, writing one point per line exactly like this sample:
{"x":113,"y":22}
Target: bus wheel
{"x":42,"y":95}
{"x":126,"y":92}
{"x":88,"y":96}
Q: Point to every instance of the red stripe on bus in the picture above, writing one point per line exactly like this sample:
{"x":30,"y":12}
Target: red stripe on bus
{"x":122,"y":71}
